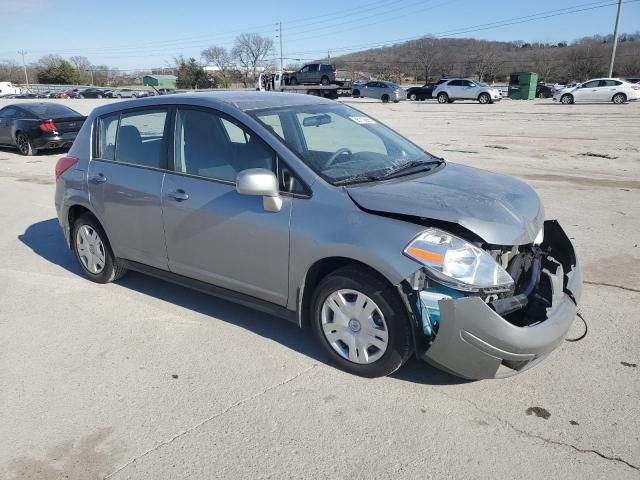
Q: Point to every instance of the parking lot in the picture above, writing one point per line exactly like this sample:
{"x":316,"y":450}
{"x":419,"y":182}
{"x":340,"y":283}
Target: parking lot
{"x":144,"y":379}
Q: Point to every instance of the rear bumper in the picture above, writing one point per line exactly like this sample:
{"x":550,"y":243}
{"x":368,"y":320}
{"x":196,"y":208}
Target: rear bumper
{"x":474,"y":342}
{"x":54,"y":141}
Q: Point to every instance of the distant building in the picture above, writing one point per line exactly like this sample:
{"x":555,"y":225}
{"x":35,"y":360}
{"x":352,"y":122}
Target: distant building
{"x":161,"y":81}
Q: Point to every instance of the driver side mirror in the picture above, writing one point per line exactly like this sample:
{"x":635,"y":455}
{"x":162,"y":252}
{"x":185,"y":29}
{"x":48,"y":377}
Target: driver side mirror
{"x":260,"y":182}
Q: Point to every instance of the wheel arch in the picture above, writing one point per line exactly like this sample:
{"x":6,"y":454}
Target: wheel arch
{"x":73,"y":213}
{"x":319,"y":270}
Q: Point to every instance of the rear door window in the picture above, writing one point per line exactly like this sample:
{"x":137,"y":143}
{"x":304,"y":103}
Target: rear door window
{"x":140,"y":138}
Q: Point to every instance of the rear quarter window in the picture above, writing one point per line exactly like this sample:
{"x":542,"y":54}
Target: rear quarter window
{"x":108,"y":127}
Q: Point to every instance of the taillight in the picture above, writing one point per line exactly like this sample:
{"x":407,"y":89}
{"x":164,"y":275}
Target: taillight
{"x":65,"y":163}
{"x":48,"y":126}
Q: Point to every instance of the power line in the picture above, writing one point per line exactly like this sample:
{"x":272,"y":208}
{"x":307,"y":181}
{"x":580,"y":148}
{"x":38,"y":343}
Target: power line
{"x":480,"y":27}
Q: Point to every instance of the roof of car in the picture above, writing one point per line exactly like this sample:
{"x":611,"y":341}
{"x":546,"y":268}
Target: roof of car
{"x":241,"y":99}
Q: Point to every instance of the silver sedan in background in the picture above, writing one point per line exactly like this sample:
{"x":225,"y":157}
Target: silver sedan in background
{"x":380,"y":89}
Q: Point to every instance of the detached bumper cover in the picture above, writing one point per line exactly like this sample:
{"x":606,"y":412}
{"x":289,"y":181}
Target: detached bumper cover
{"x":475,"y":342}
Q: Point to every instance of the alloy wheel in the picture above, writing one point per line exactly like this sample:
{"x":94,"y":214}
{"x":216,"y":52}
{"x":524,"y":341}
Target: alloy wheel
{"x":22,"y":143}
{"x":90,"y":248}
{"x":354,"y":326}
{"x":618,"y":99}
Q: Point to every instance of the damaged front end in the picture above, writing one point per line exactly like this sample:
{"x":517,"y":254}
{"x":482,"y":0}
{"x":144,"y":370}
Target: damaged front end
{"x":499,"y":331}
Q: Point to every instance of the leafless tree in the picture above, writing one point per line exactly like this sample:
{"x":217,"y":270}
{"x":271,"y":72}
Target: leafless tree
{"x":10,"y":71}
{"x":221,"y":59}
{"x":83,"y":66}
{"x":428,"y":56}
{"x":250,"y":51}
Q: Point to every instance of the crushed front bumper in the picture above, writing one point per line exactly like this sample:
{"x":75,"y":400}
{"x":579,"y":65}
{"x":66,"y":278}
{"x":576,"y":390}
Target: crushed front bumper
{"x":474,"y":342}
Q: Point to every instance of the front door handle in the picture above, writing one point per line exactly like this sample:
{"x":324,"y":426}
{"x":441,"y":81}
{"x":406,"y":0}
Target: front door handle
{"x":179,"y":195}
{"x":98,"y":179}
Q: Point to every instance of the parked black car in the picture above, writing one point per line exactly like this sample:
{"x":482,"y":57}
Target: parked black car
{"x":34,"y":126}
{"x":424,"y":92}
{"x":91,"y":93}
{"x":633,"y":80}
{"x":544,"y":91}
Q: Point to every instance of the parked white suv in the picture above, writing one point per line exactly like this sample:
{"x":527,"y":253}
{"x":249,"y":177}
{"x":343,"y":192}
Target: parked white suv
{"x":466,"y":89}
{"x":613,"y":90}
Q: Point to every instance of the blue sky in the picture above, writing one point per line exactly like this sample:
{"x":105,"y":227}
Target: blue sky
{"x":140,"y":34}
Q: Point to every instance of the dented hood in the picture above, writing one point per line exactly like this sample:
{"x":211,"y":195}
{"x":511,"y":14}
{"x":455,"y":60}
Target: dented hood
{"x":499,"y":209}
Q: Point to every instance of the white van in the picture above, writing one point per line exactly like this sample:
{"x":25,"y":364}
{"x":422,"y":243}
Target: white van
{"x":7,"y":88}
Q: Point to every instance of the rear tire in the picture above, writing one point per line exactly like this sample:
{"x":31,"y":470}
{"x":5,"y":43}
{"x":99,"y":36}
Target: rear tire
{"x":325,"y":81}
{"x":413,"y":97}
{"x":619,"y":98}
{"x":94,"y":253}
{"x":24,"y":145}
{"x":388,"y":319}
{"x":356,"y":94}
{"x":541,"y":95}
{"x":443,"y":98}
{"x":385,"y":98}
{"x":567,"y":99}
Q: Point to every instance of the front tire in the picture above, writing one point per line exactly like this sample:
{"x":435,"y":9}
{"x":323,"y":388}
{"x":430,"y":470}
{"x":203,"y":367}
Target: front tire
{"x":567,"y":99}
{"x":484,"y":98}
{"x":443,"y":98}
{"x":93,"y":251}
{"x":356,"y":94}
{"x":24,"y":145}
{"x":619,"y":98}
{"x":293,"y":81}
{"x":361,"y":322}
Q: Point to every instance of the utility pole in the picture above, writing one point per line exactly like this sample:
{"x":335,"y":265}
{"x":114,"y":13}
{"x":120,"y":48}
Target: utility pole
{"x":615,"y":39}
{"x":91,"y":71}
{"x":26,"y":77}
{"x":280,"y":37}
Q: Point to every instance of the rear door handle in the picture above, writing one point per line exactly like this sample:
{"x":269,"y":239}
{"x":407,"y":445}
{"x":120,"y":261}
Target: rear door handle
{"x":179,"y":195}
{"x":98,"y":179}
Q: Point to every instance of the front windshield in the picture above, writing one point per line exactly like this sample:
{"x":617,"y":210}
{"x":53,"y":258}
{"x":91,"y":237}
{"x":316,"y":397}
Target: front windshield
{"x":340,"y":143}
{"x":480,"y":84}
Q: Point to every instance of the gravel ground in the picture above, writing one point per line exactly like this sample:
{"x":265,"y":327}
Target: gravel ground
{"x":143,"y":379}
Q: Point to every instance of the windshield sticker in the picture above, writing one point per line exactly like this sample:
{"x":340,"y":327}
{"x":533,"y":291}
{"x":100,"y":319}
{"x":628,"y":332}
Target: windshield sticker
{"x":362,"y":120}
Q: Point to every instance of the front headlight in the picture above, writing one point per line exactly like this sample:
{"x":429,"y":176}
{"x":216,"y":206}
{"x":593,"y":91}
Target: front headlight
{"x":457,"y":263}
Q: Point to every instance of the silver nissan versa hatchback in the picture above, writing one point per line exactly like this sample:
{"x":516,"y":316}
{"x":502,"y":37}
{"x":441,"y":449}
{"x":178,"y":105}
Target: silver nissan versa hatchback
{"x":311,"y":210}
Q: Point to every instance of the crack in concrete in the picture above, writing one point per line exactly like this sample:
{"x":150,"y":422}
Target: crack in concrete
{"x":208,"y":419}
{"x":621,"y":287}
{"x":544,"y":439}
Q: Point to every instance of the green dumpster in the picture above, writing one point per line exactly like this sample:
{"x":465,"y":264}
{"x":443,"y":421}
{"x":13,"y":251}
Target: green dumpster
{"x":522,"y":85}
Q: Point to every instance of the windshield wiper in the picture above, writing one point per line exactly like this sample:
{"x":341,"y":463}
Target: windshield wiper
{"x":357,"y":179}
{"x":410,"y":165}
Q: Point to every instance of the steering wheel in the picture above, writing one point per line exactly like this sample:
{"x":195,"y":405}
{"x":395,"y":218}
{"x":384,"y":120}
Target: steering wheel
{"x":340,"y":151}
